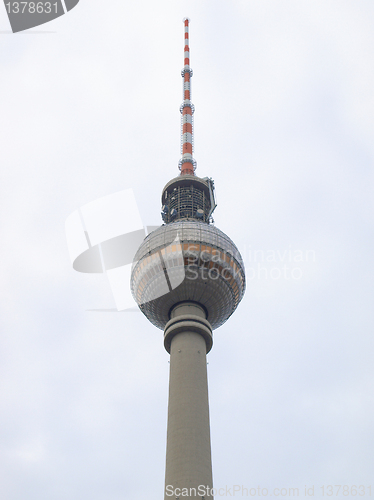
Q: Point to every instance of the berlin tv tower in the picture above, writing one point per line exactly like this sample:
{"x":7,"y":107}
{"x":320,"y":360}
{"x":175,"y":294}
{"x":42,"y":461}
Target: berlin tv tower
{"x":188,"y":278}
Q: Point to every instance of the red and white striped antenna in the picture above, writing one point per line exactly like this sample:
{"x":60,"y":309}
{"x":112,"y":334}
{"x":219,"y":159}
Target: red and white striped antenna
{"x":187,"y":164}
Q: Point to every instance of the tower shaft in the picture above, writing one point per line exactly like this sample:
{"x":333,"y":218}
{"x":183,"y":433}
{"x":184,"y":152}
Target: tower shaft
{"x":188,"y":454}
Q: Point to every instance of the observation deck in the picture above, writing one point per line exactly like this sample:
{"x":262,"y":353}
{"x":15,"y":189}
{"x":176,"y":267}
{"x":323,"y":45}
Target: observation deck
{"x":188,"y":197}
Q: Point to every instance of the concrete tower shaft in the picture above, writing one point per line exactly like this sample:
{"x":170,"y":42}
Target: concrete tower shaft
{"x":188,"y":453}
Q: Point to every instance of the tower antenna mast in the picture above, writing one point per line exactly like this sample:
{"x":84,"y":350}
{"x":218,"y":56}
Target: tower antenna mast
{"x":187,"y":164}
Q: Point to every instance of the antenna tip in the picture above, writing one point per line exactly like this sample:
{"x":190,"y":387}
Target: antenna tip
{"x":186,"y":20}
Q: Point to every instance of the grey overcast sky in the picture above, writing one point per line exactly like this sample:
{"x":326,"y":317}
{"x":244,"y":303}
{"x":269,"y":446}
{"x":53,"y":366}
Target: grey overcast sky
{"x":284,"y":123}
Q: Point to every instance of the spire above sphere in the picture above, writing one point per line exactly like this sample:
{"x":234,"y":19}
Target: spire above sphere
{"x":187,"y":164}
